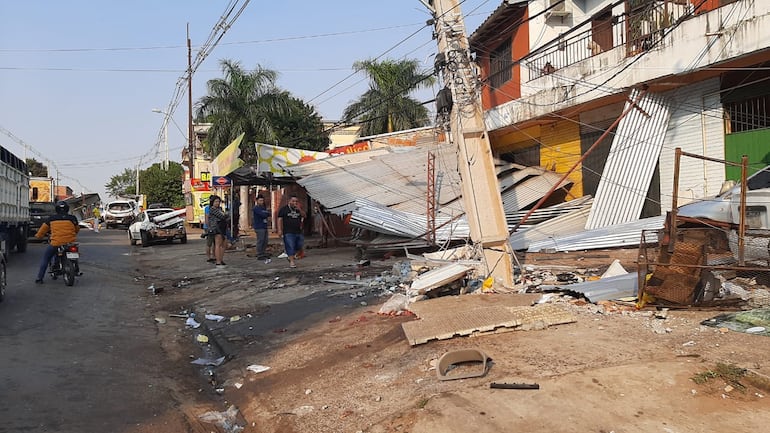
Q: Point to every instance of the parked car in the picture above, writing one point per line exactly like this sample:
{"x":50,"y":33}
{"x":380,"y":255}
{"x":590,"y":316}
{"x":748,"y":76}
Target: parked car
{"x":120,"y":213}
{"x":39,"y":212}
{"x":158,"y":224}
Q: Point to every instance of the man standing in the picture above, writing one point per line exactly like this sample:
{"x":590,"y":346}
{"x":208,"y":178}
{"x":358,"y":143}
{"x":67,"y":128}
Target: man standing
{"x":209,"y":236}
{"x":259,"y":216}
{"x":290,"y":219}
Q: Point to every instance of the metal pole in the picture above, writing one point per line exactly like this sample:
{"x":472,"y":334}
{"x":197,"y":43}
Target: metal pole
{"x":165,"y":141}
{"x":742,"y":222}
{"x":191,"y":132}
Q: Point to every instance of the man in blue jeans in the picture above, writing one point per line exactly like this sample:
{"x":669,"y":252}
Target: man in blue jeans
{"x":64,"y":229}
{"x":259,"y":216}
{"x":290,"y":219}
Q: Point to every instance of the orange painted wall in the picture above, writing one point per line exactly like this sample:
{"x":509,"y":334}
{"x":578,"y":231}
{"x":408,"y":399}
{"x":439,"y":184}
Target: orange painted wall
{"x":511,"y":90}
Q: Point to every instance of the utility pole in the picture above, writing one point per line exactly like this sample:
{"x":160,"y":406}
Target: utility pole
{"x":190,"y":129}
{"x":464,"y":123}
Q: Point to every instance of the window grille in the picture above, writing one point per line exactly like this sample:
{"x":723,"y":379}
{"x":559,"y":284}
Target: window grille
{"x":500,"y":64}
{"x":749,"y":114}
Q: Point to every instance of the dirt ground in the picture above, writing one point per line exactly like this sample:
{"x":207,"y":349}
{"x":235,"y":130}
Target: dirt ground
{"x":335,"y":365}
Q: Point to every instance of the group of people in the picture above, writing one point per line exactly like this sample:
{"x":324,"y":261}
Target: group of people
{"x":291,"y":218}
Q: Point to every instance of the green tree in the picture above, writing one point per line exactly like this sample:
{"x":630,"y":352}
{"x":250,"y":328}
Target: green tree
{"x":36,"y":168}
{"x":163,"y":186}
{"x":241,"y":102}
{"x":123,"y":184}
{"x":301,"y":127}
{"x":387,"y":106}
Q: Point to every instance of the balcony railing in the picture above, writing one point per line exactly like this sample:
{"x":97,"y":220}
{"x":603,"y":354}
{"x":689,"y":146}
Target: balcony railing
{"x":641,"y":29}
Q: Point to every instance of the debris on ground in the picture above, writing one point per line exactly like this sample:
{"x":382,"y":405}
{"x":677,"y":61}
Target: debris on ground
{"x":227,"y":420}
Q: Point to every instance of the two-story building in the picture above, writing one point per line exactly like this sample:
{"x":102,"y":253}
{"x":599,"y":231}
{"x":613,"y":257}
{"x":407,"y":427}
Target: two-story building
{"x":689,"y":74}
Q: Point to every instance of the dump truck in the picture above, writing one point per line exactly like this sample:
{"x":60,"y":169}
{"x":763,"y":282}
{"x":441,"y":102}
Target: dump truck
{"x":14,"y":203}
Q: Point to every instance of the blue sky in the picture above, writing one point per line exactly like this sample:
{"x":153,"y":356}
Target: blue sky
{"x":79,"y":79}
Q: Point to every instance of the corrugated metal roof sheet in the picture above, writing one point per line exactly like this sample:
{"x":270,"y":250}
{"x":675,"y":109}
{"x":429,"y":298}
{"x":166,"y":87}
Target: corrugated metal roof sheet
{"x":631,"y":163}
{"x":565,"y":224}
{"x":619,"y":235}
{"x":530,"y":191}
{"x":392,"y":178}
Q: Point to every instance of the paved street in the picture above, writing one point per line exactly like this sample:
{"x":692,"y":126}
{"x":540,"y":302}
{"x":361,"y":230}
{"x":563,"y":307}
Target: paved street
{"x":83,"y":358}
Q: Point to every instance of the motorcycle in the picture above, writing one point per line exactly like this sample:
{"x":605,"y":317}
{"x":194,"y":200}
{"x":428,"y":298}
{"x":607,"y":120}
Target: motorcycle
{"x":65,"y":263}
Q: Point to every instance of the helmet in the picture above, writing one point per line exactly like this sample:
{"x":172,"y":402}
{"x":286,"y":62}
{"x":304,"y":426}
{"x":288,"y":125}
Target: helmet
{"x":62,"y":207}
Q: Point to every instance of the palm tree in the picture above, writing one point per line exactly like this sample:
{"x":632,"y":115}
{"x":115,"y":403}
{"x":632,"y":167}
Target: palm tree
{"x":241,"y":102}
{"x":387,"y":106}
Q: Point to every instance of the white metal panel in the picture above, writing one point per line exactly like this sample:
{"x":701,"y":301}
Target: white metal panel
{"x":631,"y":163}
{"x":561,"y":225}
{"x":620,"y":235}
{"x":696,"y":126}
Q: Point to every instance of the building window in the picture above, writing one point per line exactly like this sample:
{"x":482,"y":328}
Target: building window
{"x":749,"y":114}
{"x":34,"y":194}
{"x":500,"y":64}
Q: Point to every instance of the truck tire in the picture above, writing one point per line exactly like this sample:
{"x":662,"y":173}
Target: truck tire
{"x":21,"y":241}
{"x":2,"y":280}
{"x":145,"y":238}
{"x":184,"y":239}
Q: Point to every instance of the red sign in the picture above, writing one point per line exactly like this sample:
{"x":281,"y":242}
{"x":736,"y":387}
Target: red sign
{"x":351,"y":148}
{"x":199,"y":185}
{"x":221,"y":181}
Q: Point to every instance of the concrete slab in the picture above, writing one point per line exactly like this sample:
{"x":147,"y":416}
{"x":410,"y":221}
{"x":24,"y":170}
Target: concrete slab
{"x":445,"y":319}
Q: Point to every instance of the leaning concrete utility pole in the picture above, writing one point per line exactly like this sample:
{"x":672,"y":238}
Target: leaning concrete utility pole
{"x":462,"y":117}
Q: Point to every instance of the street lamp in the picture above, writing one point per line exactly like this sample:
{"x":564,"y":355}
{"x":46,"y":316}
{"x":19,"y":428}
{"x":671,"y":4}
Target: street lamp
{"x":165,"y":131}
{"x":165,"y":135}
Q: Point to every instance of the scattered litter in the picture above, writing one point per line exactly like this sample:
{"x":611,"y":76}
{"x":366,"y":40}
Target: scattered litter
{"x":237,"y":385}
{"x":308,"y":391}
{"x":396,"y":305}
{"x":215,"y":317}
{"x":154,"y":290}
{"x":754,"y":322}
{"x":303,"y":410}
{"x":235,"y":318}
{"x":227,"y":420}
{"x":614,"y":270}
{"x":202,"y":338}
{"x":256,"y":368}
{"x":160,"y":320}
{"x":192,"y":323}
{"x":209,"y":361}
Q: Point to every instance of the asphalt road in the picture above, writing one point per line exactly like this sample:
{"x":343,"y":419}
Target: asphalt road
{"x":83,"y":358}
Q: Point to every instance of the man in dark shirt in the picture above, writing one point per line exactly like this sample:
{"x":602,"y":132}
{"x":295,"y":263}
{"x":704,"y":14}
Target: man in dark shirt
{"x":259,"y":216}
{"x":290,"y":219}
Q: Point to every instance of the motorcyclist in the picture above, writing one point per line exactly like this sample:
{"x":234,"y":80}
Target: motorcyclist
{"x":64,"y":229}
